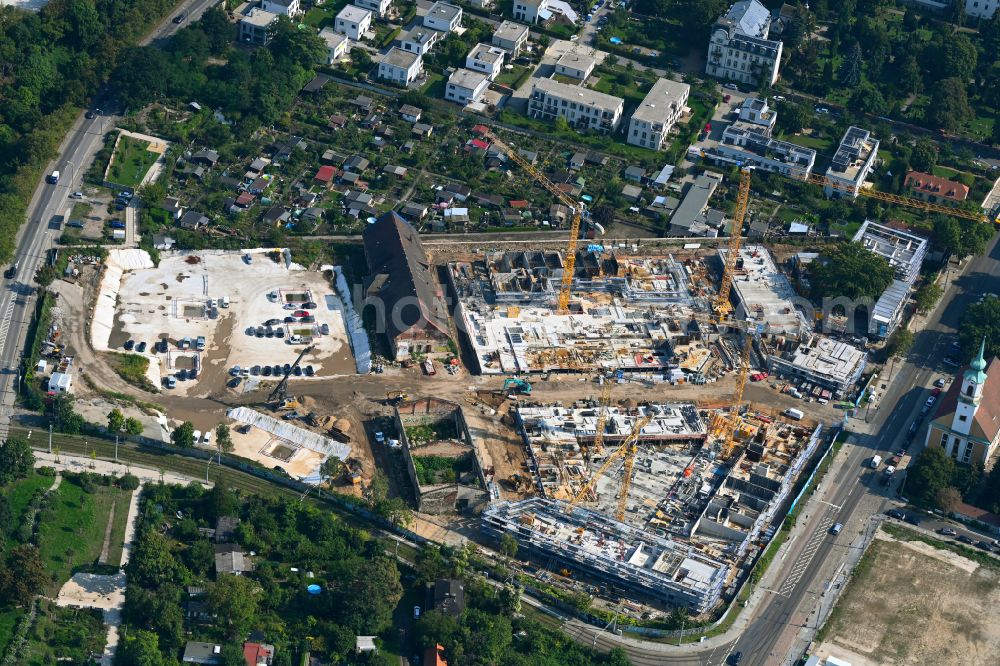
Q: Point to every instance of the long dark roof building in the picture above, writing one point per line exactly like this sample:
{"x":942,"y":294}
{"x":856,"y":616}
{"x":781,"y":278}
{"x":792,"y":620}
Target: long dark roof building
{"x":412,"y":313}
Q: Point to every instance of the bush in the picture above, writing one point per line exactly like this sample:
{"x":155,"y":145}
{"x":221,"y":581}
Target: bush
{"x":132,"y":368}
{"x":128,"y":482}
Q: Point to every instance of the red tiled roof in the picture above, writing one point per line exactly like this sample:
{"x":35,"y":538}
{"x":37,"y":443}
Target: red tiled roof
{"x":256,"y":653}
{"x":519,"y":203}
{"x":939,"y":187}
{"x":325,"y":174}
{"x":975,"y":513}
{"x":244,"y":199}
{"x":480,"y":129}
{"x":479,"y":143}
{"x":987,"y":420}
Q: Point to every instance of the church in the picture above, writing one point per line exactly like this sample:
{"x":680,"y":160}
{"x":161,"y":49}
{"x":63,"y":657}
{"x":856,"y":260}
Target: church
{"x":967,"y":421}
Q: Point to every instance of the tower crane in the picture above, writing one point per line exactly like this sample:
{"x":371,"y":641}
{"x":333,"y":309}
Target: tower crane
{"x":722,"y":306}
{"x":732,"y":422}
{"x":627,"y":449}
{"x":602,"y":416}
{"x":574,"y":226}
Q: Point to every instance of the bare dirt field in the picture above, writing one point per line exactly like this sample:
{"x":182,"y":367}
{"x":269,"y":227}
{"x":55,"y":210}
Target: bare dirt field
{"x":915,"y":604}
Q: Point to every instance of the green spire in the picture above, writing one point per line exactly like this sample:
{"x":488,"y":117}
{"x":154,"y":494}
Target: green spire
{"x":977,"y":369}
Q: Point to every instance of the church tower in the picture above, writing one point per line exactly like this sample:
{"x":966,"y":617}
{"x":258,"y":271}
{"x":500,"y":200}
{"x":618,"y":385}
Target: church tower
{"x":973,"y":381}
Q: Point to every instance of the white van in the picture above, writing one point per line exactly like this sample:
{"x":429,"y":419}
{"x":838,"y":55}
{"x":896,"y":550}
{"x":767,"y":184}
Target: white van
{"x":793,"y":413}
{"x":876,"y":461}
{"x":224,"y":302}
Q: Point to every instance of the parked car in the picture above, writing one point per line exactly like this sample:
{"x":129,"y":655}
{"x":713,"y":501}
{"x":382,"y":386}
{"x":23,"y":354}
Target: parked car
{"x":940,"y":382}
{"x":180,"y":18}
{"x":947,"y":531}
{"x":962,"y":538}
{"x":984,"y":545}
{"x":912,"y":519}
{"x":170,"y":382}
{"x":300,"y":313}
{"x":309,"y":306}
{"x":247,"y":259}
{"x":266,"y":371}
{"x":141,"y":347}
{"x":272,"y":322}
{"x":895,"y":513}
{"x":308,"y":320}
{"x":309,"y":371}
{"x":129,"y":345}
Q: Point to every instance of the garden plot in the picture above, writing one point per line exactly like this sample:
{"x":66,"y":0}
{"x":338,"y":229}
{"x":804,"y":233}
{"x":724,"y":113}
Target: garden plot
{"x":182,"y":299}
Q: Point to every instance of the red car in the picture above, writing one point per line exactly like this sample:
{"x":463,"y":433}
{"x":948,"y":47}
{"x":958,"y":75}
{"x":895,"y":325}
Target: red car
{"x":300,"y":313}
{"x":936,"y":392}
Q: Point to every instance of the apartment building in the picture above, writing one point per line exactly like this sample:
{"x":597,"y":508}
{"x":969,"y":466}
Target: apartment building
{"x":487,"y":59}
{"x":738,"y":47}
{"x":379,"y":8}
{"x":511,"y":37}
{"x":581,"y":107}
{"x":466,"y":86}
{"x":660,"y":109}
{"x":981,"y":9}
{"x":852,"y":163}
{"x":529,"y":10}
{"x":353,"y":21}
{"x":401,"y":67}
{"x":575,"y":65}
{"x":444,"y":17}
{"x":337,"y":44}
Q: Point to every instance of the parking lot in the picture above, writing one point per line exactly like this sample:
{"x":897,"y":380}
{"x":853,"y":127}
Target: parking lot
{"x":203,"y":315}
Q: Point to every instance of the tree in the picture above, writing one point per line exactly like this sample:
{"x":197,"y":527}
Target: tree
{"x":949,"y":499}
{"x":910,"y":78}
{"x":22,"y":577}
{"x":5,"y":516}
{"x":561,"y":125}
{"x":924,"y":155}
{"x":792,"y":117}
{"x":152,"y":563}
{"x":64,"y":417}
{"x":960,"y":237}
{"x":140,"y":648}
{"x":980,"y":321}
{"x":850,"y":69}
{"x":927,"y":296}
{"x":436,"y":628}
{"x":200,"y":557}
{"x":331,"y":468}
{"x":852,"y":271}
{"x":223,"y":439}
{"x":928,"y":476}
{"x":430,"y":563}
{"x":378,"y":488}
{"x":508,"y":546}
{"x":183,"y":435}
{"x":900,"y":343}
{"x":949,"y":106}
{"x":116,"y":420}
{"x":133,"y":426}
{"x":373,"y":594}
{"x":866,"y":98}
{"x":16,"y":460}
{"x":235,"y":599}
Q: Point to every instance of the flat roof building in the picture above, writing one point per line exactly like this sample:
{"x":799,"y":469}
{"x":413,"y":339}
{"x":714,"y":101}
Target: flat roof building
{"x":511,"y":37}
{"x":581,"y":107}
{"x":337,"y":44}
{"x":763,"y":295}
{"x":905,"y":252}
{"x":743,"y":143}
{"x":575,"y":65}
{"x":486,"y":58}
{"x":353,"y":21}
{"x":628,"y":556}
{"x":852,"y":163}
{"x":652,"y":121}
{"x":444,"y":17}
{"x":257,"y":26}
{"x":399,"y":66}
{"x":692,"y":215}
{"x":418,"y":40}
{"x":821,"y":361}
{"x":466,"y":86}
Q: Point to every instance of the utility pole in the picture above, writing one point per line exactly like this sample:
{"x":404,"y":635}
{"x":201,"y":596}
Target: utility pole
{"x":50,"y":439}
{"x":116,"y":448}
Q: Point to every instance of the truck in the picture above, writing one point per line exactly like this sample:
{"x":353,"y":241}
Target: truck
{"x":793,"y":413}
{"x":429,"y":367}
{"x":876,"y":461}
{"x":118,"y":234}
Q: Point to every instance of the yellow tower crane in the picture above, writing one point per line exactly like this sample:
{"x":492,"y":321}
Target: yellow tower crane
{"x":628,"y":449}
{"x":722,"y":305}
{"x":732,"y":422}
{"x":574,"y":227}
{"x":604,"y":405}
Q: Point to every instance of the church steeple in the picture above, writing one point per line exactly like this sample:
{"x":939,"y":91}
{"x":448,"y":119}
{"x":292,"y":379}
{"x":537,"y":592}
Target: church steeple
{"x":974,"y":378}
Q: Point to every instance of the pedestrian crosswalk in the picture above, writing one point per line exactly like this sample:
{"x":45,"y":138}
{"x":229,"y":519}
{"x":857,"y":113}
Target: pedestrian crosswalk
{"x":5,"y":323}
{"x":798,"y":569}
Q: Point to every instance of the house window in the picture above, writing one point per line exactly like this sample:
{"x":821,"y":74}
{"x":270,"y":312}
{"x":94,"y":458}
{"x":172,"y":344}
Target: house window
{"x":962,"y":418}
{"x":944,"y":440}
{"x":970,"y":390}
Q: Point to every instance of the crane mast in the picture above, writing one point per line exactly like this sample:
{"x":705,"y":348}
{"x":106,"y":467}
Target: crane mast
{"x":628,"y":449}
{"x":722,"y":305}
{"x":569,"y":261}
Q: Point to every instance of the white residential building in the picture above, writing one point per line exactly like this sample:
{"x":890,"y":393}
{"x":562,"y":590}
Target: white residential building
{"x":418,"y":40}
{"x":738,"y":47}
{"x":487,"y":59}
{"x":852,"y":163}
{"x":400,"y":67}
{"x":337,"y":44}
{"x":465,"y":86}
{"x":353,"y":21}
{"x":444,"y":17}
{"x":746,"y":143}
{"x":289,"y":8}
{"x":981,"y":9}
{"x":377,"y":7}
{"x":257,"y":26}
{"x":581,"y":107}
{"x":575,"y":65}
{"x":528,"y":10}
{"x":511,"y":37}
{"x":660,"y":109}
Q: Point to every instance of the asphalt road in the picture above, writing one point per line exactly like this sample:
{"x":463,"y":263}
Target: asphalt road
{"x":42,"y":228}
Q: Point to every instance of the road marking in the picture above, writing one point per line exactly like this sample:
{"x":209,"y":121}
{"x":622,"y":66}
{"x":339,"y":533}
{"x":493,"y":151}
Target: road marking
{"x":5,"y":324}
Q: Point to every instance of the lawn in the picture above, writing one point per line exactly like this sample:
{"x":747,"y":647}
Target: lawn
{"x":20,"y":493}
{"x":130,"y":162}
{"x":72,"y":526}
{"x":132,"y":368}
{"x":8,"y":622}
{"x":514,"y":77}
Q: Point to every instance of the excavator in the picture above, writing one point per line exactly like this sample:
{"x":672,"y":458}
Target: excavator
{"x":514,"y":386}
